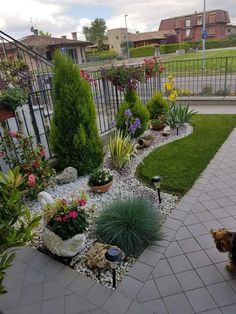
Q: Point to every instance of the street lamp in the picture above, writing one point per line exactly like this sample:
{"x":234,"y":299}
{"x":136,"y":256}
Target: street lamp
{"x":156,"y":180}
{"x":177,"y":127}
{"x":113,"y":255}
{"x":204,"y":36}
{"x":127,"y":37}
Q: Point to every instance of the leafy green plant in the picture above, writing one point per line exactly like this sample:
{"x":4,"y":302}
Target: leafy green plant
{"x":16,"y":222}
{"x":157,"y":105}
{"x":184,"y":114}
{"x":12,"y":97}
{"x":131,"y":224}
{"x":172,"y":116}
{"x":67,"y":218}
{"x":100,"y":177}
{"x":207,"y":91}
{"x":17,"y":150}
{"x":74,"y":135}
{"x":122,"y":148}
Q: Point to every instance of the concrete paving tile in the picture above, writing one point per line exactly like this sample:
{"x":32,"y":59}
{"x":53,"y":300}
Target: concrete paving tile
{"x":51,"y":268}
{"x":54,"y":306}
{"x":32,"y":294}
{"x":224,"y":272}
{"x":173,"y":224}
{"x":212,"y":224}
{"x":17,"y":267}
{"x":34,"y":308}
{"x":182,"y":233}
{"x":213,"y":311}
{"x":149,"y":257}
{"x":156,"y":306}
{"x":140,"y":271}
{"x":178,"y":214}
{"x":167,"y":233}
{"x":189,"y":199}
{"x":13,"y":281}
{"x":204,"y":216}
{"x":222,"y":293}
{"x":177,"y":304}
{"x":76,"y":305}
{"x":162,"y":269}
{"x":209,"y":275}
{"x":200,"y":300}
{"x":191,"y":220}
{"x":219,"y":213}
{"x":130,"y":287}
{"x":212,"y":204}
{"x":198,"y":207}
{"x":228,"y":222}
{"x":53,"y":290}
{"x":25,"y":254}
{"x":179,"y":263}
{"x":225,"y":201}
{"x":197,"y":229}
{"x":137,"y":308}
{"x":230,"y":309}
{"x":118,"y":303}
{"x":189,"y":245}
{"x":148,"y":292}
{"x":215,"y":194}
{"x":98,"y":294}
{"x":33,"y":277}
{"x":204,"y":197}
{"x":81,"y":285}
{"x":199,"y":259}
{"x":39,"y":260}
{"x":12,"y":311}
{"x":189,"y":280}
{"x":205,"y":241}
{"x":65,"y":276}
{"x":168,"y":285}
{"x":173,"y":249}
{"x":231,"y":210}
{"x":10,"y":299}
{"x":159,"y":246}
{"x":232,"y":284}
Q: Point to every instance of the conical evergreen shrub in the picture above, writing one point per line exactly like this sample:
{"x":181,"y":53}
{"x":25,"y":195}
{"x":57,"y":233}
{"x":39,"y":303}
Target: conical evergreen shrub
{"x":74,"y":135}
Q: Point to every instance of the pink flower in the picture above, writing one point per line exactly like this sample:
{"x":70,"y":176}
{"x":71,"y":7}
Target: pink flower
{"x":36,"y":164}
{"x":31,"y":180}
{"x":73,"y":214}
{"x":82,"y":202}
{"x":64,"y":218}
{"x":13,"y":134}
{"x":2,"y":154}
{"x":59,"y":219}
{"x":42,"y":152}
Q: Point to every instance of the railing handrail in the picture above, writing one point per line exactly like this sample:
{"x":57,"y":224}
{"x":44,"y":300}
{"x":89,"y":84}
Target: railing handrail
{"x":208,"y":58}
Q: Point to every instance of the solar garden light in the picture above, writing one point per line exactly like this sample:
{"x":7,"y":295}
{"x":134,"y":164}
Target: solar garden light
{"x":157,"y":184}
{"x":177,"y":127}
{"x":113,"y":255}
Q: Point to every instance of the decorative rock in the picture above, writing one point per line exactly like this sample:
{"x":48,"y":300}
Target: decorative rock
{"x":45,"y":198}
{"x":166,"y":131}
{"x":69,"y":174}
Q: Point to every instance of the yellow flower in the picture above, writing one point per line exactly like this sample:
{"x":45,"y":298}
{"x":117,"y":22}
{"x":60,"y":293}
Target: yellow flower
{"x":170,"y":77}
{"x":168,"y":86}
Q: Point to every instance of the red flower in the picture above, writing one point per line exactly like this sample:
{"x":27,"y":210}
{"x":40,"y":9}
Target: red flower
{"x":42,"y":152}
{"x":73,"y":214}
{"x":31,"y":180}
{"x":59,"y":219}
{"x":36,"y":164}
{"x":64,"y":218}
{"x":82,"y":202}
{"x":13,"y":134}
{"x":2,"y":154}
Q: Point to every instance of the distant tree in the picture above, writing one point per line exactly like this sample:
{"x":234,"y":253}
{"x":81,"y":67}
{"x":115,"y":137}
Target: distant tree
{"x":171,"y":38}
{"x":96,"y":33}
{"x":45,"y":34}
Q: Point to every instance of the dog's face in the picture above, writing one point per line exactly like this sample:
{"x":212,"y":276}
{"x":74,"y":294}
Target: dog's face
{"x":223,"y":239}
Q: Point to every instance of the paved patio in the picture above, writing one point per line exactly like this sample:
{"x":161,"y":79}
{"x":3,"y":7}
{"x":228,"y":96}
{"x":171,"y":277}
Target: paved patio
{"x":182,"y":274}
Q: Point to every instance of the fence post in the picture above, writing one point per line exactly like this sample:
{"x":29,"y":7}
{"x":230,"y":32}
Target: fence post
{"x":31,"y":109}
{"x":226,"y":72}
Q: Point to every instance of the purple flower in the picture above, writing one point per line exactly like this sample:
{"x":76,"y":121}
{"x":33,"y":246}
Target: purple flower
{"x":128,"y":113}
{"x":137,"y":122}
{"x":113,"y":123}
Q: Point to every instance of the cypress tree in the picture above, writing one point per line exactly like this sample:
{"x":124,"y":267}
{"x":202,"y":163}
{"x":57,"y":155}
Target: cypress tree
{"x":74,"y":135}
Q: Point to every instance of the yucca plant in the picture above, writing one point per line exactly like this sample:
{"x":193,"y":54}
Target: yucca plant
{"x":172,"y":116}
{"x":185,"y":114}
{"x":122,"y":148}
{"x":131,"y":224}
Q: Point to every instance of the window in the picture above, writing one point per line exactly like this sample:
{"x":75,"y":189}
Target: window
{"x":177,"y":23}
{"x":211,"y":30}
{"x":72,"y":52}
{"x":199,"y":20}
{"x":211,"y":18}
{"x":229,"y":30}
{"x":48,"y":55}
{"x":188,"y":23}
{"x":187,"y":33}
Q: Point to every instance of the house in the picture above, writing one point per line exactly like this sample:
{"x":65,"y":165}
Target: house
{"x":189,"y":27}
{"x":117,"y":38}
{"x":231,"y":30}
{"x":46,"y":46}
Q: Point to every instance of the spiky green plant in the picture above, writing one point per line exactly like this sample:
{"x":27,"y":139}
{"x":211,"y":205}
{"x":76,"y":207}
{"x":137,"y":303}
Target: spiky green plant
{"x":122,"y":148}
{"x":185,"y":114}
{"x":74,"y":135}
{"x":131,"y":224}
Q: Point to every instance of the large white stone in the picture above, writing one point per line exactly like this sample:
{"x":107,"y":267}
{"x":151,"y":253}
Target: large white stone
{"x":69,"y":174}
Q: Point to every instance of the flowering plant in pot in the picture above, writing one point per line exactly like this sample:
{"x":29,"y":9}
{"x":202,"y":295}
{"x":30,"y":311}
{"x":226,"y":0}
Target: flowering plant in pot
{"x":159,"y":123}
{"x":65,"y":224}
{"x":100,"y":181}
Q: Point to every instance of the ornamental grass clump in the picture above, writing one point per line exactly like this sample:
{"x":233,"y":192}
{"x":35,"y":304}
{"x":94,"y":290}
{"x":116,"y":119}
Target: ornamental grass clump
{"x":122,"y":148}
{"x":130,"y":224}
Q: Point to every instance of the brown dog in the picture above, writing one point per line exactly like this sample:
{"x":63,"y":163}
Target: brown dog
{"x":226,"y":242}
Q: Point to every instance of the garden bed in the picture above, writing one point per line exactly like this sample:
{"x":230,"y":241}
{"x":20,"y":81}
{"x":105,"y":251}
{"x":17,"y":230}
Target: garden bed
{"x":125,"y":184}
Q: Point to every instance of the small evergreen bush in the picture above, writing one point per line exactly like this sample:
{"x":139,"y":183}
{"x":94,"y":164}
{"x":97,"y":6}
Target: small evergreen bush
{"x":74,"y":135}
{"x":131,"y":224}
{"x":157,"y":105}
{"x":139,"y":110}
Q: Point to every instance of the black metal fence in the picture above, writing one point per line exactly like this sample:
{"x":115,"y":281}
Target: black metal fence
{"x":217,"y":78}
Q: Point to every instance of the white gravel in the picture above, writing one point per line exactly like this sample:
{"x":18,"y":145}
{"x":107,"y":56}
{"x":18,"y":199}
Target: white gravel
{"x":124,"y":185}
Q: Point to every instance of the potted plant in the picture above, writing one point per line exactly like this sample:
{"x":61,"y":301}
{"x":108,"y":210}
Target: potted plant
{"x":10,"y":99}
{"x":65,"y":223}
{"x":100,"y":181}
{"x":159,"y":123}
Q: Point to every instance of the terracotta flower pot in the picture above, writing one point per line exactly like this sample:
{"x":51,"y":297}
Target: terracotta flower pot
{"x":159,"y":127}
{"x":102,"y":188}
{"x":6,"y":114}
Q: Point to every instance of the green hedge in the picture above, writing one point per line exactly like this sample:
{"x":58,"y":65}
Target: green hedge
{"x":104,"y":55}
{"x":149,"y":50}
{"x":214,"y":43}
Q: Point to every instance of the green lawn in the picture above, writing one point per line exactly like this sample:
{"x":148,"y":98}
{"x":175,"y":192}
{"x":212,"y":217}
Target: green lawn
{"x":181,"y":162}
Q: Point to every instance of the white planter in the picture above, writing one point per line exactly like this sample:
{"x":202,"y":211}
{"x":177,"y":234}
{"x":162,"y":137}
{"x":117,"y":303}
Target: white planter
{"x":66,"y":248}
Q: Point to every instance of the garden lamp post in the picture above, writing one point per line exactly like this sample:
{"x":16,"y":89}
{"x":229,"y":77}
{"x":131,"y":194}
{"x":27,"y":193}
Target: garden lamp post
{"x":113,"y":255}
{"x":177,"y":127}
{"x":127,"y":37}
{"x":156,"y":180}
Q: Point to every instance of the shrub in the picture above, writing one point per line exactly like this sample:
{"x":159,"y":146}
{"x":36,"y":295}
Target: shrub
{"x":122,"y":148}
{"x":104,"y":55}
{"x":207,"y":91}
{"x":131,"y":224}
{"x":157,"y":105}
{"x":145,"y":51}
{"x":139,"y":110}
{"x":12,"y":97}
{"x":17,"y":150}
{"x":16,"y":222}
{"x":74,"y":135}
{"x":100,"y":177}
{"x":171,"y":48}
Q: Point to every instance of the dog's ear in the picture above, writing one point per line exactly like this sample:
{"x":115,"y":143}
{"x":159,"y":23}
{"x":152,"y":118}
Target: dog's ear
{"x":229,"y":234}
{"x":213,"y":232}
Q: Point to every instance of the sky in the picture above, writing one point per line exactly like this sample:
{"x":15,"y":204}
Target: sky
{"x":61,"y":17}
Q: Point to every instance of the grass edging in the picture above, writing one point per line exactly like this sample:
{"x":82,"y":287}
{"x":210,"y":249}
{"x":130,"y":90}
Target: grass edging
{"x":181,"y":162}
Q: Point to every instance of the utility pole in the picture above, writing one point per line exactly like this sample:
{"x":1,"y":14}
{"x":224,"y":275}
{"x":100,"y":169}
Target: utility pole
{"x":127,"y":37}
{"x":204,"y":36}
